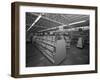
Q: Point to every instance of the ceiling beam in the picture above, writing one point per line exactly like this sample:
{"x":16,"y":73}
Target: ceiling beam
{"x":64,"y":25}
{"x":37,"y":19}
{"x":75,"y":17}
{"x":77,"y":22}
{"x":37,"y":26}
{"x":52,"y":28}
{"x":78,"y":18}
{"x":75,"y":29}
{"x":49,"y":19}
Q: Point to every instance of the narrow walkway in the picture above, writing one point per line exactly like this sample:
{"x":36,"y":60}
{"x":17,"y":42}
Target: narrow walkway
{"x":74,"y":56}
{"x":35,"y":57}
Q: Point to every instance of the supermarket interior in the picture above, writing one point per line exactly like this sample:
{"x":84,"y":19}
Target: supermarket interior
{"x":54,"y":39}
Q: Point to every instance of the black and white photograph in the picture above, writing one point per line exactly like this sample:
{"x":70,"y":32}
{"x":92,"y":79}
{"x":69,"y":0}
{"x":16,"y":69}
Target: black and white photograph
{"x":57,"y":39}
{"x":51,"y":39}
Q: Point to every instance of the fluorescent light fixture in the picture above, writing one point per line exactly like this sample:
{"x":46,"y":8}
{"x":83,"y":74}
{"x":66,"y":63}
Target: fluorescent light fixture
{"x":37,"y":19}
{"x":77,"y":22}
{"x":75,"y":29}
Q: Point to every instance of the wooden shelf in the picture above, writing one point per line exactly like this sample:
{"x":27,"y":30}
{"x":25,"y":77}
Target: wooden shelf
{"x":47,"y":43}
{"x":46,"y":39}
{"x":47,"y":47}
{"x":46,"y":52}
{"x":51,"y":49}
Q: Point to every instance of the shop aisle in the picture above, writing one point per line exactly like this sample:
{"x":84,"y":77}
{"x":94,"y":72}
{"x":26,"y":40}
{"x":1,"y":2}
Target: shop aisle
{"x":74,"y":56}
{"x":35,"y":57}
{"x":57,"y":39}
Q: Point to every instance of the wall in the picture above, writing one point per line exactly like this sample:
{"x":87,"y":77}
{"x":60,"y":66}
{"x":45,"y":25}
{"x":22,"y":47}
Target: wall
{"x":5,"y":40}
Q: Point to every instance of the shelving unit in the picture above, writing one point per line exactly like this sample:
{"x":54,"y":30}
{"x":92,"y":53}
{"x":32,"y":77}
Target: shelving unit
{"x":45,"y":27}
{"x":54,"y":50}
{"x":46,"y":45}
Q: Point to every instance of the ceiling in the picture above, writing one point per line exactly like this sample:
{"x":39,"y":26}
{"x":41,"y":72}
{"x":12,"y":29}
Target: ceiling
{"x":47,"y":21}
